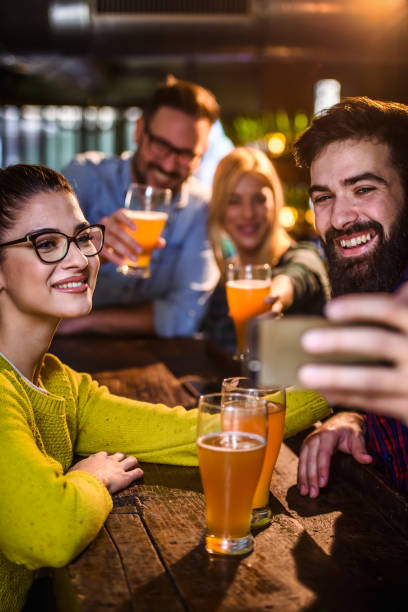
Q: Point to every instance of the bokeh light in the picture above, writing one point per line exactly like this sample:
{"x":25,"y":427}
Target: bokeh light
{"x":310,"y":216}
{"x":288,"y":216}
{"x":276,"y":143}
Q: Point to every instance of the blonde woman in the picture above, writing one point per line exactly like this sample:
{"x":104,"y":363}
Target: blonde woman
{"x":244,"y":214}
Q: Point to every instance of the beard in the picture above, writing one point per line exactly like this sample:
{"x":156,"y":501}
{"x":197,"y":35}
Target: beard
{"x":380,"y":271}
{"x":140,"y":175}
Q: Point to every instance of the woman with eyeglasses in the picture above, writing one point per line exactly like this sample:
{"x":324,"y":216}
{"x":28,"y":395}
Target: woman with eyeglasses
{"x":51,"y":508}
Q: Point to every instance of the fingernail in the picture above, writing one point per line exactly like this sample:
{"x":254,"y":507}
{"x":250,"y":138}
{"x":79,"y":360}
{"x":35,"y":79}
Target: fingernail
{"x":313,"y":491}
{"x":309,"y":376}
{"x":334,"y":308}
{"x":322,"y":481}
{"x":303,"y":489}
{"x":311,"y":340}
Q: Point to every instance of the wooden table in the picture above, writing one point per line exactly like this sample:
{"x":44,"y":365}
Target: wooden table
{"x":347,"y":550}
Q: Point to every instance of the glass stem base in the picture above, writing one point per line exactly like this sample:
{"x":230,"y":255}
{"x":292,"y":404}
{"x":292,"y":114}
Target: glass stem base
{"x":229,"y":546}
{"x":240,"y":356}
{"x":135,"y":271}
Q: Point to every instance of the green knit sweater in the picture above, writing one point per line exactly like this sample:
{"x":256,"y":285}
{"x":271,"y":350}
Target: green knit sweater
{"x":48,"y":516}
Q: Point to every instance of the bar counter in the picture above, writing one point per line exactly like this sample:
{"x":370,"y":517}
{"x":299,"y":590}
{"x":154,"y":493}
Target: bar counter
{"x":346,"y":550}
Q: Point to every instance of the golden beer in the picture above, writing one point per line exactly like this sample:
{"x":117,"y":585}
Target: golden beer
{"x":240,"y":420}
{"x":149,"y":225}
{"x":276,"y":424}
{"x":246,"y":299}
{"x":230,"y":463}
{"x":244,"y":421}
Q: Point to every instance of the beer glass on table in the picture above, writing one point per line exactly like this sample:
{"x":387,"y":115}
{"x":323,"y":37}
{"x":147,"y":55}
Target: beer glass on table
{"x":148,"y":208}
{"x":247,"y":287}
{"x":276,"y":406}
{"x":230,"y":461}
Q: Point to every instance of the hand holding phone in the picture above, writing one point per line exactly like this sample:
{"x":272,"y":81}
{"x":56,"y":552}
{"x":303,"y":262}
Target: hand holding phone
{"x":276,"y":351}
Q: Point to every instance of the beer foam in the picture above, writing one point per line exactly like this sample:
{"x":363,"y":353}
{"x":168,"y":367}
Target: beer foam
{"x":148,"y":215}
{"x":249,"y":283}
{"x":231,"y":441}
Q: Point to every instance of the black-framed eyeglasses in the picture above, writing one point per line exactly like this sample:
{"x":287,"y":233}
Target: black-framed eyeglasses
{"x":163,"y":148}
{"x":52,"y":246}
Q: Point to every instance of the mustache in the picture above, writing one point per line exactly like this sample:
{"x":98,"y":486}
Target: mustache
{"x":170,"y":175}
{"x":334,"y":233}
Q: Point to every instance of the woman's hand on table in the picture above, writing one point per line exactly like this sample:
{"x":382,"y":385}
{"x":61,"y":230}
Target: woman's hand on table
{"x":115,"y":471}
{"x":344,"y":432}
{"x":377,"y":388}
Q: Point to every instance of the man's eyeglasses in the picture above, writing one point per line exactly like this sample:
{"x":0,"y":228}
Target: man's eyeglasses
{"x":53,"y":246}
{"x":162,"y":148}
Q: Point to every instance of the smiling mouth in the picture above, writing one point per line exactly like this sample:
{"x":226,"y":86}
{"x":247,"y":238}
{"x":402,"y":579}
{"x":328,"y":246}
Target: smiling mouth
{"x":70,"y":285}
{"x":356,"y":241}
{"x":248,"y":229}
{"x":162,"y":175}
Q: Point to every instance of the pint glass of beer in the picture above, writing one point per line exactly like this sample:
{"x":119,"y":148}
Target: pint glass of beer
{"x":230,"y":463}
{"x":247,"y":287}
{"x":276,"y":405}
{"x":148,"y":208}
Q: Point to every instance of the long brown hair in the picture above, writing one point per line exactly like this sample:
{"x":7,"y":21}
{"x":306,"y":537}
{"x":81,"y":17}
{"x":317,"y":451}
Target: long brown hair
{"x":241,"y":161}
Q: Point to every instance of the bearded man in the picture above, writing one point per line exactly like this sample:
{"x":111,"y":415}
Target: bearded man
{"x":357,"y":153}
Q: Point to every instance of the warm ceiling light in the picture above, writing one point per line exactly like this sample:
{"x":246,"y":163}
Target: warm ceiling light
{"x":276,"y":143}
{"x":310,"y":216}
{"x":288,"y":216}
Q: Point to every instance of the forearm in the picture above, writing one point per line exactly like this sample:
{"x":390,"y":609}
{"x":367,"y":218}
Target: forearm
{"x":54,"y":515}
{"x":153,"y":432}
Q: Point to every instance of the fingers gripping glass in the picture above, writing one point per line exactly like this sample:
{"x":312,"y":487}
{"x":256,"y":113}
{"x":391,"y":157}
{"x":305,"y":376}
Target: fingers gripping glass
{"x":162,"y":148}
{"x":52,"y":247}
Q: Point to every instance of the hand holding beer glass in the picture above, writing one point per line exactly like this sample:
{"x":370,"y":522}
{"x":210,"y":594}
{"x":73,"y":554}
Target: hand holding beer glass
{"x":148,"y":208}
{"x":276,"y":406}
{"x":230,"y":461}
{"x":247,"y":288}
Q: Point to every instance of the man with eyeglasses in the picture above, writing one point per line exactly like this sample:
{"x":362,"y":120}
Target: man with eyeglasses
{"x":171,"y":139}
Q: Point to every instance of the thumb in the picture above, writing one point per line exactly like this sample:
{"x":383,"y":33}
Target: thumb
{"x":271,"y":299}
{"x":359,"y":450}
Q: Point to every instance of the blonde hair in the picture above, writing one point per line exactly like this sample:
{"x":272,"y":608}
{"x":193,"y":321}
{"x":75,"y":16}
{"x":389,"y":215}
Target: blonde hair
{"x":241,"y":161}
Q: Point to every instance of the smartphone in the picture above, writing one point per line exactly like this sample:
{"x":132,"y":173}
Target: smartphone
{"x":276,"y":353}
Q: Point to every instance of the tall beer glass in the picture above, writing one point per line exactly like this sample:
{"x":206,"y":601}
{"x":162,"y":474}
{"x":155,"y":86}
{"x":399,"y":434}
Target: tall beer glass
{"x":230,"y":462}
{"x":276,"y":405}
{"x":148,"y":208}
{"x":247,"y":287}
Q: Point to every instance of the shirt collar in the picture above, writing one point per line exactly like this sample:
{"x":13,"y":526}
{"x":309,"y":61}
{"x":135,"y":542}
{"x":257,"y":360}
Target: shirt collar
{"x":126,"y":172}
{"x":403,"y":280}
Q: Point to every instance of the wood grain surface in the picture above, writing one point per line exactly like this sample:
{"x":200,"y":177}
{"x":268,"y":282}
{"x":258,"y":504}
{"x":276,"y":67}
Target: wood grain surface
{"x":345,"y":551}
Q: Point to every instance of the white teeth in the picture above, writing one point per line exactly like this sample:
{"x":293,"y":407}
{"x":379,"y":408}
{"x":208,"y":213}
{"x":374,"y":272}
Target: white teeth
{"x":353,"y":242}
{"x":69,"y":285}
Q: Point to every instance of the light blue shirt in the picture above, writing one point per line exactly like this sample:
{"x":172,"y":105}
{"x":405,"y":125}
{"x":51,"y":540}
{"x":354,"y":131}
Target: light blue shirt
{"x":183,"y":274}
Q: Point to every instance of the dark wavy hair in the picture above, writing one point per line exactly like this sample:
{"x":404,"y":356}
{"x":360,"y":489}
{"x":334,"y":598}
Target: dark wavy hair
{"x":21,"y":182}
{"x":358,"y":118}
{"x":188,"y":97}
